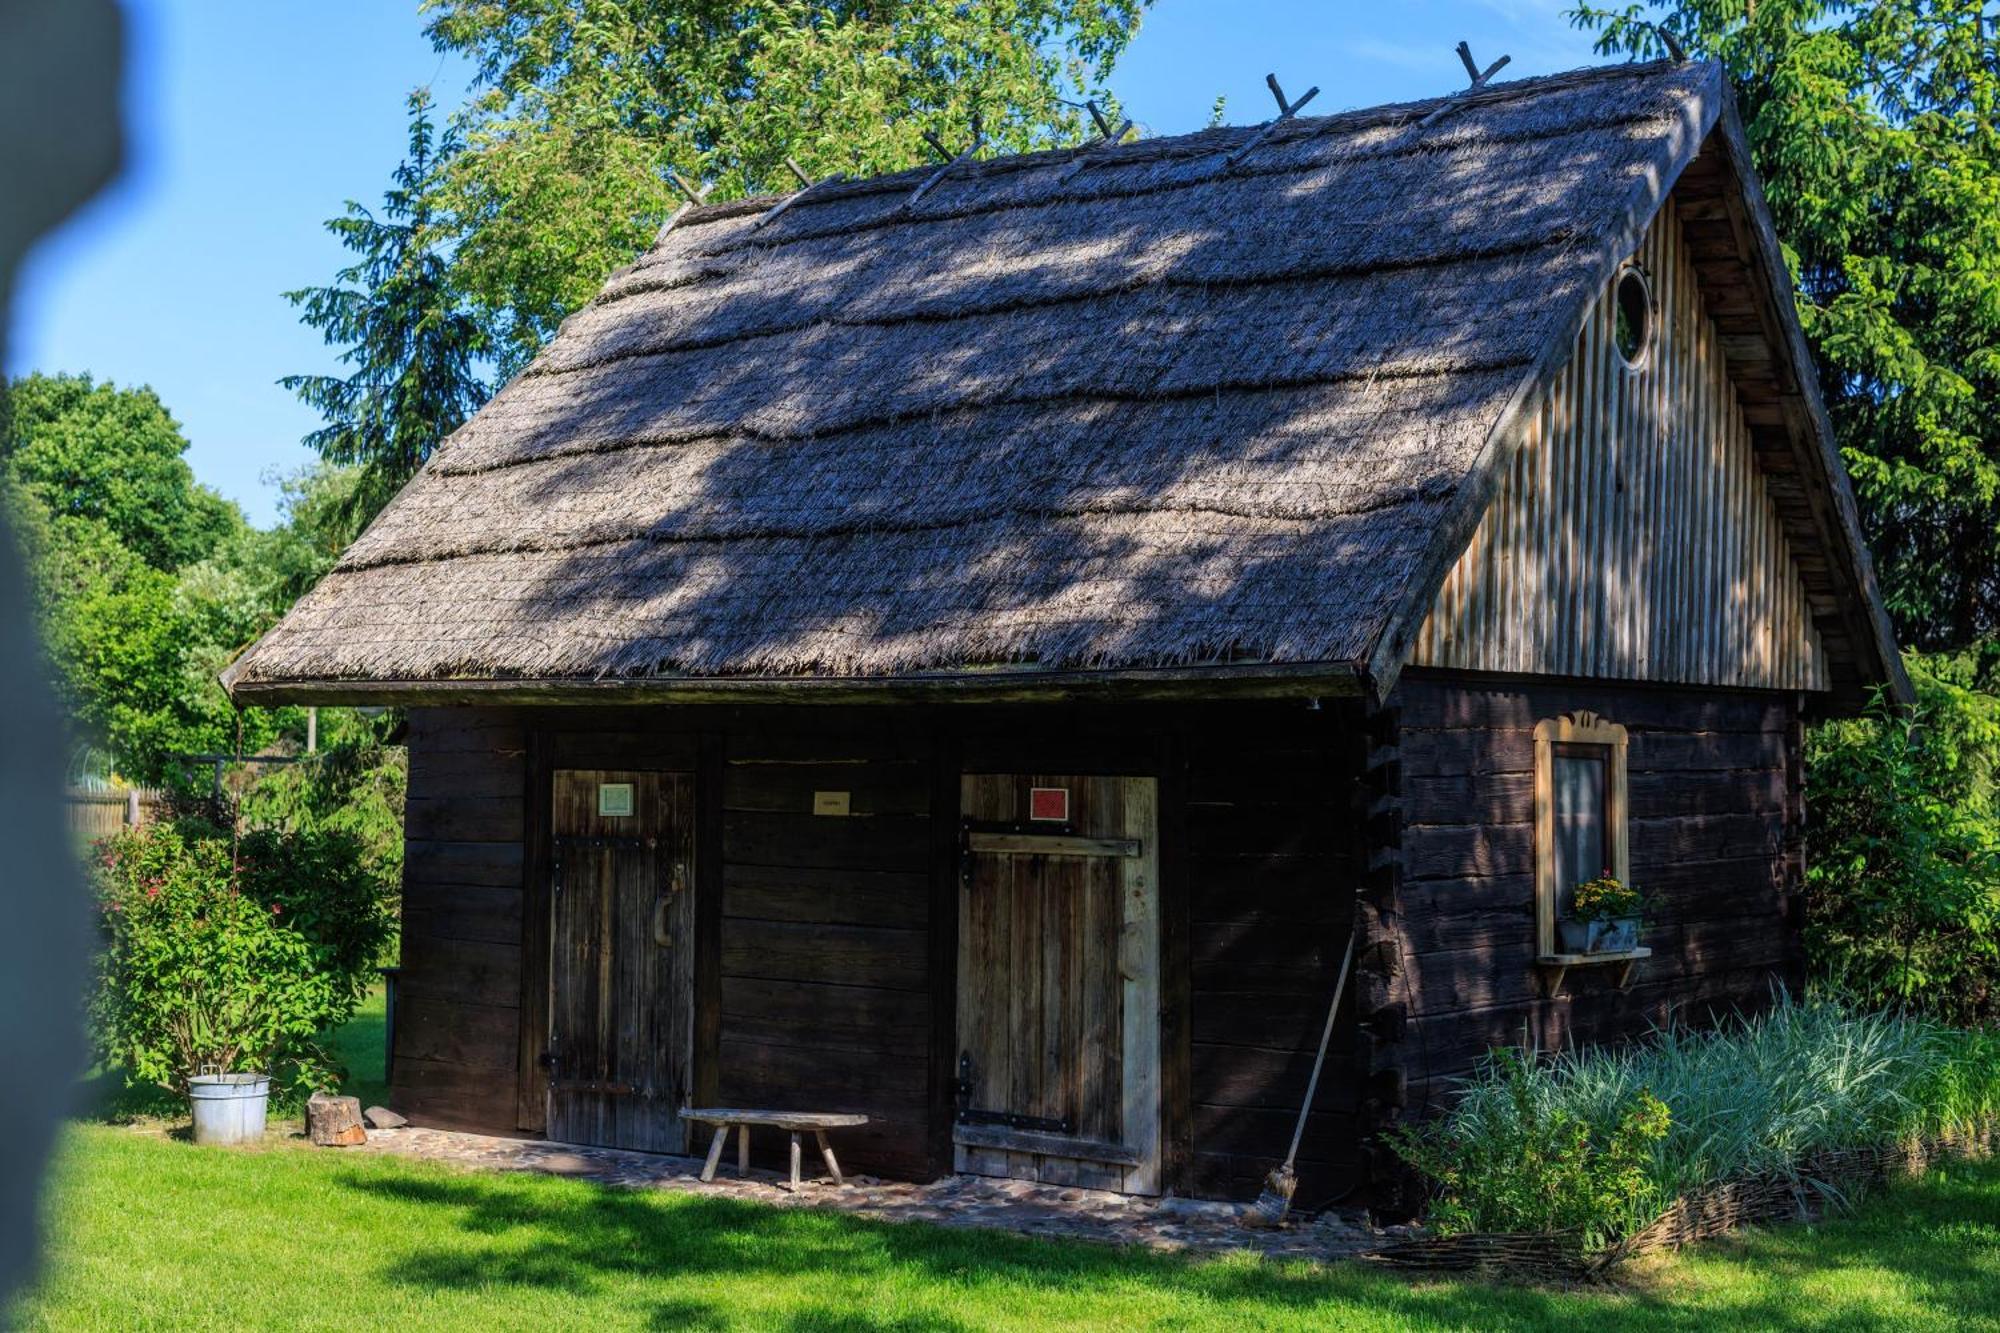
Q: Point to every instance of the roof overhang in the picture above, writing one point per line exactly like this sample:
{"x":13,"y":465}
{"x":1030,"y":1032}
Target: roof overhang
{"x":995,"y":685}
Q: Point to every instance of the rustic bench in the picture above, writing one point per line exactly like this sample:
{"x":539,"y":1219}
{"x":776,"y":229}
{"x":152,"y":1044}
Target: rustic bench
{"x":794,"y":1123}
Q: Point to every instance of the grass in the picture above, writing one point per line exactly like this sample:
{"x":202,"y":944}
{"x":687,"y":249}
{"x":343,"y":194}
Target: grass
{"x":148,"y":1231}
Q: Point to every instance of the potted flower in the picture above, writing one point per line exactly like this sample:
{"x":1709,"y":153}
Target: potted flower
{"x":1608,"y":909}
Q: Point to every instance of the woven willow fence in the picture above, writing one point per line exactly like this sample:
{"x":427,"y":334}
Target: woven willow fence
{"x":1834,"y":1179}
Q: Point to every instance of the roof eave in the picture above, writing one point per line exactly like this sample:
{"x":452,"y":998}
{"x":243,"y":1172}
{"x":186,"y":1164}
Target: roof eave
{"x":1001,"y":685}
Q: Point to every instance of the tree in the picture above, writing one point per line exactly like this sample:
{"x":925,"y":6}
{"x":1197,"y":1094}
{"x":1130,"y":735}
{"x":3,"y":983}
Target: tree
{"x":411,"y":343}
{"x":1903,"y":848}
{"x":1875,"y":125}
{"x":95,"y":451}
{"x":586,"y":105}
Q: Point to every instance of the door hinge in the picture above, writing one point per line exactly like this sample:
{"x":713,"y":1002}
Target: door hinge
{"x":969,"y":1114}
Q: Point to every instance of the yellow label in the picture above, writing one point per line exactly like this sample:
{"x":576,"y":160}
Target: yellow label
{"x":830,"y":802}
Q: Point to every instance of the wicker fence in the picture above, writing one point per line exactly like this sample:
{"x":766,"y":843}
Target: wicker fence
{"x":100,"y":812}
{"x":1828,"y":1179}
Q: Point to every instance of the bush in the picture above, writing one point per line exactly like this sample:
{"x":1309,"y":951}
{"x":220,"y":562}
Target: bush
{"x":1903,"y":850}
{"x":1569,"y":1139}
{"x":1520,"y":1160}
{"x":237,"y":958}
{"x":353,"y":786}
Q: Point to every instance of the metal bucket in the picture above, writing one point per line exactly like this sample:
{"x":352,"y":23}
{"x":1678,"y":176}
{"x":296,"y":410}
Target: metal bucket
{"x":229,"y":1108}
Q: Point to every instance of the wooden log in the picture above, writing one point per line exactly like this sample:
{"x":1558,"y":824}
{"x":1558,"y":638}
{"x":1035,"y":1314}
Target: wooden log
{"x":334,"y":1122}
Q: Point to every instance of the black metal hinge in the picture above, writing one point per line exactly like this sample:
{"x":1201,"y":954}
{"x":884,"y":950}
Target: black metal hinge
{"x":969,"y":1114}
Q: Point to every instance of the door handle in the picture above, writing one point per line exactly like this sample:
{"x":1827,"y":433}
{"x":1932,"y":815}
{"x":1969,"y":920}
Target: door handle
{"x":661,"y":935}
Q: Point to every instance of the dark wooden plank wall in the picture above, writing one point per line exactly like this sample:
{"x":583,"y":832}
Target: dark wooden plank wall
{"x":1272,"y":864}
{"x":1715,"y":816}
{"x":829,"y":955}
{"x":826,"y":999}
{"x":458,"y":997}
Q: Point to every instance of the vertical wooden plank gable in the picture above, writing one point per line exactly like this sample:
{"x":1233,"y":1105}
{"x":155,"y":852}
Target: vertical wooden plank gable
{"x":1652,"y":548}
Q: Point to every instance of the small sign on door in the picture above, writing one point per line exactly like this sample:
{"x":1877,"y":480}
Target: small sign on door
{"x":1048,"y":805}
{"x":614,"y":800}
{"x":831,"y":802}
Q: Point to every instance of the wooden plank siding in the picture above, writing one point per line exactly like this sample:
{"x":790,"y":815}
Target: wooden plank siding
{"x":1714,"y":831}
{"x":458,"y":996}
{"x":831,"y":949}
{"x":825,"y":999}
{"x":1635,"y":537}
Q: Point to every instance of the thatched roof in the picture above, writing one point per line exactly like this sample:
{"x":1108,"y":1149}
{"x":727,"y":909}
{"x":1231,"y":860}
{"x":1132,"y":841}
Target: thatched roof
{"x":1125,"y":409}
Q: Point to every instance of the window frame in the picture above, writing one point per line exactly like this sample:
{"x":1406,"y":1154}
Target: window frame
{"x":1580,"y":729}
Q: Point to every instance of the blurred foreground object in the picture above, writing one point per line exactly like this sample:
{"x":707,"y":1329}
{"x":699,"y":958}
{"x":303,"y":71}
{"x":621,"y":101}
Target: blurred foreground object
{"x":60,"y":141}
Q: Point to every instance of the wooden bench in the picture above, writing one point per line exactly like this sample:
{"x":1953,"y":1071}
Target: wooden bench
{"x":794,"y":1123}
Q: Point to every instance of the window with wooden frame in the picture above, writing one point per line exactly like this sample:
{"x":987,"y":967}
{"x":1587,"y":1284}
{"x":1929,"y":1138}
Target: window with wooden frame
{"x":1580,"y":806}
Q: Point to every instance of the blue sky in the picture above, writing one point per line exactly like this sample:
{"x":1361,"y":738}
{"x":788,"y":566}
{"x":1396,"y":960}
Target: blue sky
{"x":250,"y":121}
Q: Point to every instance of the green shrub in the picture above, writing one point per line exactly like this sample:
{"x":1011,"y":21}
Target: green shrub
{"x":1519,"y":1160}
{"x":354,"y":786}
{"x":232,"y":957}
{"x":1753,"y":1096}
{"x":1903,"y":849}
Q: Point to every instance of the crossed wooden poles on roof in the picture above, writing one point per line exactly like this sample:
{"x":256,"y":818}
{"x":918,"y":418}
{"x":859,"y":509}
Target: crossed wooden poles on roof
{"x":1108,"y":134}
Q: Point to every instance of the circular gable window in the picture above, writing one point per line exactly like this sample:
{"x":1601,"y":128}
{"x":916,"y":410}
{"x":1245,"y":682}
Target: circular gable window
{"x":1633,"y":330}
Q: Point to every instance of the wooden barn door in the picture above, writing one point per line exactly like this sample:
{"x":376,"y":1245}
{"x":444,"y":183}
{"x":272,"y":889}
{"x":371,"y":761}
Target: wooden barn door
{"x":621,"y":966}
{"x":1058,"y":981}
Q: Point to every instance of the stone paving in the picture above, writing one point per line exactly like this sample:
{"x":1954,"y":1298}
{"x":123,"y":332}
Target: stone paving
{"x":955,"y":1201}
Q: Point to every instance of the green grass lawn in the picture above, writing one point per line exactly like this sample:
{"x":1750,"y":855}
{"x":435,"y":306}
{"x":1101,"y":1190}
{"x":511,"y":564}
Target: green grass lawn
{"x":148,"y":1231}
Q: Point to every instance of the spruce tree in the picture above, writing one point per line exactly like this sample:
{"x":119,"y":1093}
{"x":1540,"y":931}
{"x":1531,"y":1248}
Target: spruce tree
{"x":413,"y":345}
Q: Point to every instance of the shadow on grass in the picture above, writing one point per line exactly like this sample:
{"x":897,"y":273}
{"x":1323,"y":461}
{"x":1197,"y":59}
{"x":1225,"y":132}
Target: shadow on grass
{"x":574,"y":1240}
{"x":105,"y":1097}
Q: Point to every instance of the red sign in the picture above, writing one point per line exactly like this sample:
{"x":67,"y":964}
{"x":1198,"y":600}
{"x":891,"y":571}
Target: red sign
{"x":1049,"y":804}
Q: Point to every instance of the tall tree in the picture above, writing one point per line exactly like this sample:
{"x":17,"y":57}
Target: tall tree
{"x":1875,"y":125}
{"x":91,"y":450}
{"x":413,"y":345}
{"x":586,"y":105}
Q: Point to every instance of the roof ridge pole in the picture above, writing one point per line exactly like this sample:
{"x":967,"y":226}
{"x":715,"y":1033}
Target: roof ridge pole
{"x":693,"y":197}
{"x":1286,"y":111}
{"x":1107,"y":136}
{"x":978,"y":141}
{"x":1479,"y":80}
{"x":806,"y":186}
{"x":1105,"y":133}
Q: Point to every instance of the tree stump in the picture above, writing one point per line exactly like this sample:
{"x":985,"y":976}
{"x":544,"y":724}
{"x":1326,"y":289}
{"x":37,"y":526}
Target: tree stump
{"x":334,"y":1122}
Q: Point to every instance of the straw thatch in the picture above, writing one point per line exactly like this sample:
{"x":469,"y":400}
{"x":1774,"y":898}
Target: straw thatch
{"x":1121,"y":407}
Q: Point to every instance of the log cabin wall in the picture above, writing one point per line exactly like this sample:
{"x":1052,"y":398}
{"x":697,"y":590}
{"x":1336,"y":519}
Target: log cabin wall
{"x":458,"y":997}
{"x":827,"y":973}
{"x":1634,"y":536}
{"x":1715,"y":819}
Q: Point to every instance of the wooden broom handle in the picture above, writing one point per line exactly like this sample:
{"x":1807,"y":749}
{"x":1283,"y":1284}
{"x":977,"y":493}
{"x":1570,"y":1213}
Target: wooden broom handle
{"x":1325,"y":1036}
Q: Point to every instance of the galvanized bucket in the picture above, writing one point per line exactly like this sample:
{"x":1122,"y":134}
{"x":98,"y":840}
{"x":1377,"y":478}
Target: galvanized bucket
{"x":229,"y":1108}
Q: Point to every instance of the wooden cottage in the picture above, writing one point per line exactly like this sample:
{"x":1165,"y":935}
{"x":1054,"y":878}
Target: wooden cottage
{"x":971,"y":646}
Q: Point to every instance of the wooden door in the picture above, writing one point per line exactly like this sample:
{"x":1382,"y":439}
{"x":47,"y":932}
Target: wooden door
{"x":1058,"y":981}
{"x":621,"y":967}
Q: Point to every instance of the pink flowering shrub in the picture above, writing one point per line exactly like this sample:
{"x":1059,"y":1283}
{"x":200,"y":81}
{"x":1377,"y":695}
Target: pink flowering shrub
{"x":233,"y":966}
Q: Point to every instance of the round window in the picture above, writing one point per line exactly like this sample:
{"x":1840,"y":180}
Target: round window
{"x":1633,"y":333}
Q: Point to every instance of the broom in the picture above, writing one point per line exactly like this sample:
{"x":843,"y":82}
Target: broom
{"x":1276,"y":1200}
